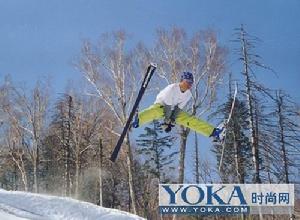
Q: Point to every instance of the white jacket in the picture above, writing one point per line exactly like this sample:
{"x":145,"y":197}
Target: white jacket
{"x":172,"y":95}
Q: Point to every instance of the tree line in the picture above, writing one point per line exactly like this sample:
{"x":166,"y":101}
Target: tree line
{"x":63,"y":147}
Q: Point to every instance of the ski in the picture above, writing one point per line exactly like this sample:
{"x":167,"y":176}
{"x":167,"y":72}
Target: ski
{"x":150,"y":70}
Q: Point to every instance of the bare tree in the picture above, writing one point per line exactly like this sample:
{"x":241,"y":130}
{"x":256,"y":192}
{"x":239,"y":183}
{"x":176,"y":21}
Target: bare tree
{"x":201,"y":55}
{"x":11,"y":119}
{"x":282,"y":136}
{"x":100,"y":159}
{"x":111,"y":72}
{"x":287,"y":135}
{"x":17,"y":151}
{"x":85,"y":133}
{"x":206,"y":171}
{"x":250,"y":60}
{"x":253,"y":137}
{"x":197,"y":160}
{"x":28,"y":112}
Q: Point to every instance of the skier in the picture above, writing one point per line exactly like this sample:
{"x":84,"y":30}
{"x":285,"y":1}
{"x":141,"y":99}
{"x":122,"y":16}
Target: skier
{"x":169,"y":104}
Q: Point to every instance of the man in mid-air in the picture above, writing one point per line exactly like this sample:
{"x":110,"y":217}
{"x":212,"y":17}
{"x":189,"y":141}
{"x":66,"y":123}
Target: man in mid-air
{"x":169,"y":104}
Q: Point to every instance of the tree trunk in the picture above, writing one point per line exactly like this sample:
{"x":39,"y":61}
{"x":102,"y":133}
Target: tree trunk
{"x":130,"y":175}
{"x":183,"y":140}
{"x":77,"y":168}
{"x":100,"y":173}
{"x":35,"y":169}
{"x":68,"y":149}
{"x":255,"y":151}
{"x":24,"y":176}
{"x":157,"y":162}
{"x":282,"y":141}
{"x":236,"y":158}
{"x":197,"y":165}
{"x":15,"y":185}
{"x":268,"y":167}
{"x":21,"y":167}
{"x":35,"y":181}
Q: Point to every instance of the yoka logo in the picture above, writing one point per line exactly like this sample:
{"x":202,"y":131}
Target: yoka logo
{"x":203,"y":194}
{"x":208,"y":194}
{"x":204,"y":199}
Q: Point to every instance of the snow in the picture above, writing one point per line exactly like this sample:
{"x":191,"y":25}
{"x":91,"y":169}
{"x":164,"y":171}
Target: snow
{"x":23,"y":205}
{"x":6,"y":216}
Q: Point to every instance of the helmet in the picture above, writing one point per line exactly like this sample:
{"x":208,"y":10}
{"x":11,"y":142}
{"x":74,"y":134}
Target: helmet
{"x":188,"y":77}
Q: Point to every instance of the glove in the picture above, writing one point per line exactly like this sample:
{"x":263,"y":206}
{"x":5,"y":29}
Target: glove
{"x":168,"y":126}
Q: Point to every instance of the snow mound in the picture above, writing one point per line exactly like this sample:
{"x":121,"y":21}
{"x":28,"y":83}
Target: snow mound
{"x":23,"y":205}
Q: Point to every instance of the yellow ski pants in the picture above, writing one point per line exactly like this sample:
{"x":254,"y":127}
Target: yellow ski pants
{"x":156,"y":111}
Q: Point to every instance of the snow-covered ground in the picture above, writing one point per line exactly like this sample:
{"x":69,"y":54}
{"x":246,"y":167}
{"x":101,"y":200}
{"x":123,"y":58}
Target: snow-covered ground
{"x":22,"y":205}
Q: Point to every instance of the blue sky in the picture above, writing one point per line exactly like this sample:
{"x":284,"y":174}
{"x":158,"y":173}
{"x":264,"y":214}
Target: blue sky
{"x":40,"y":37}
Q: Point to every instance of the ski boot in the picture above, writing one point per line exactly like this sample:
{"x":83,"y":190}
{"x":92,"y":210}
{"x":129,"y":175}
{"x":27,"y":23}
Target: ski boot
{"x":218,"y":133}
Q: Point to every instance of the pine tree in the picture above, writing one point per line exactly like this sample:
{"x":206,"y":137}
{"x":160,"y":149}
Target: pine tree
{"x":285,"y":137}
{"x":154,"y":147}
{"x":62,"y":127}
{"x":237,"y":152}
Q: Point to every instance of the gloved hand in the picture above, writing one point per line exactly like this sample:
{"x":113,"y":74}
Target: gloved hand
{"x":167,"y":126}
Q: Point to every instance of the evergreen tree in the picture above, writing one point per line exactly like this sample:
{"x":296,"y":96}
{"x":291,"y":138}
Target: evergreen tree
{"x":62,"y":128}
{"x":237,"y":151}
{"x":285,"y":138}
{"x":154,"y":146}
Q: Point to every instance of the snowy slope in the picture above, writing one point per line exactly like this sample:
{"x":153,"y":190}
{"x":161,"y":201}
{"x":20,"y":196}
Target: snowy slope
{"x":21,"y":205}
{"x":6,"y":216}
